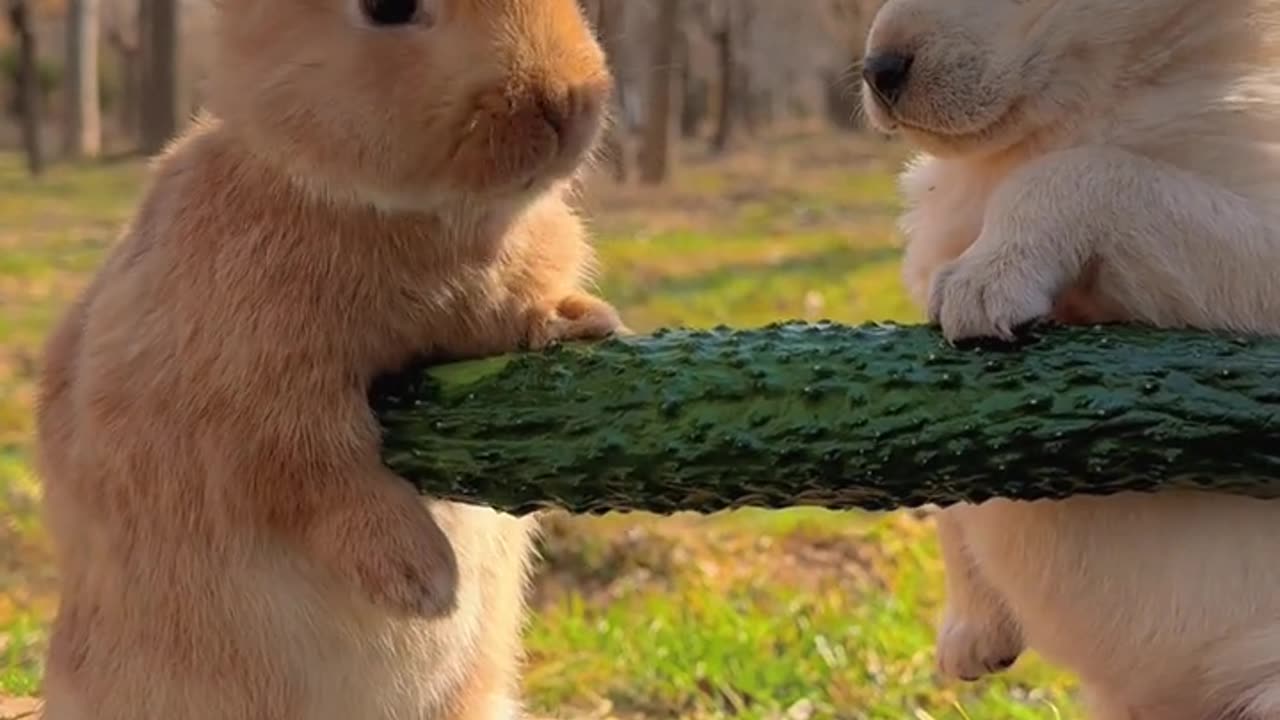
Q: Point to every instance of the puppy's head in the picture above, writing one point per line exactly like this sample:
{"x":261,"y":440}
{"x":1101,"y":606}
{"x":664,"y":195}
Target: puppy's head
{"x":960,"y":76}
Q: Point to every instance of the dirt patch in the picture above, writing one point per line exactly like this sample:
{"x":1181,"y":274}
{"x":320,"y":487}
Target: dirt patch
{"x":603,"y":562}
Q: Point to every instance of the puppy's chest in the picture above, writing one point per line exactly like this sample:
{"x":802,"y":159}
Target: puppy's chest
{"x":945,"y":202}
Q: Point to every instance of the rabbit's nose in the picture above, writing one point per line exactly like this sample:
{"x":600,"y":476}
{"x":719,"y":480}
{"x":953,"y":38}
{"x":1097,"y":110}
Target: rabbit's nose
{"x":557,"y":114}
{"x":573,"y":112}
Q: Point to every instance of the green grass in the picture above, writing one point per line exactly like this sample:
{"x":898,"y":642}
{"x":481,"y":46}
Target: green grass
{"x":794,"y":614}
{"x":832,"y":612}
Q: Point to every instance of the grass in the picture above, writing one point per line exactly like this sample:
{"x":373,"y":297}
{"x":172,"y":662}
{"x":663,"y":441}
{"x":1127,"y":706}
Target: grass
{"x":797,"y":615}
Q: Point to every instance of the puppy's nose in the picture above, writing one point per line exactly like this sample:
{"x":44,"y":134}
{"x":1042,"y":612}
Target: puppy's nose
{"x":886,"y":73}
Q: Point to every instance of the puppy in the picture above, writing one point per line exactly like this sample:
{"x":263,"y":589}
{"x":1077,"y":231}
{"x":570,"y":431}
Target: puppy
{"x":1098,"y":161}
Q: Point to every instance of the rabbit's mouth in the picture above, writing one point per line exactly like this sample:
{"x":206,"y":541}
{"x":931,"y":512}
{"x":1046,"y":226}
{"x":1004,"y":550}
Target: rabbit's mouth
{"x":526,"y":139}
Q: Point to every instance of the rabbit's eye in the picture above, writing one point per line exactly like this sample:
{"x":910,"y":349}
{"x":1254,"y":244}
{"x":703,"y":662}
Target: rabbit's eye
{"x":390,"y":12}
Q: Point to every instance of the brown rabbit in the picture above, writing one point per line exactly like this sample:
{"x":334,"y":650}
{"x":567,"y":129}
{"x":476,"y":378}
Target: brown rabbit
{"x":377,"y":179}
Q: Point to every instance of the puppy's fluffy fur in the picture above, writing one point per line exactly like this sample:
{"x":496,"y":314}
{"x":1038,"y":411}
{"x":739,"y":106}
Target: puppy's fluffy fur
{"x":230,"y":545}
{"x":1090,"y":161}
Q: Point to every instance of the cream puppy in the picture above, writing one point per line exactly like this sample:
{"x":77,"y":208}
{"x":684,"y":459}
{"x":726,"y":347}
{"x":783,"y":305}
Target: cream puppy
{"x":1098,"y":160}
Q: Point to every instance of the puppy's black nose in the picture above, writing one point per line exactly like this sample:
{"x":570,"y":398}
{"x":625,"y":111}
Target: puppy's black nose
{"x":886,"y":73}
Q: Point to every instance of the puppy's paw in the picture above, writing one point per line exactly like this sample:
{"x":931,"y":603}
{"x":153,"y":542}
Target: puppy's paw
{"x":976,"y":297}
{"x":970,"y":650}
{"x":394,"y":554}
{"x":578,"y":316}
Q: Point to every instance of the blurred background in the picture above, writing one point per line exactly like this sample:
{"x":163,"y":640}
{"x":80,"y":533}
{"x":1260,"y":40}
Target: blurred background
{"x":739,"y":187}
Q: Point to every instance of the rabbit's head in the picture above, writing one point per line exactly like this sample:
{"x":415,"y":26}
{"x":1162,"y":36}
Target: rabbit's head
{"x":409,"y":103}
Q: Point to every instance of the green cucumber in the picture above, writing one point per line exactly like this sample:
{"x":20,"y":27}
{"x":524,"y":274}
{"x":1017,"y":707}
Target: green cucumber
{"x":875,"y":417}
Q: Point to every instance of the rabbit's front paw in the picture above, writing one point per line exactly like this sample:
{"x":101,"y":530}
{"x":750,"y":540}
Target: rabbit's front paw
{"x":578,"y":316}
{"x":394,"y":553}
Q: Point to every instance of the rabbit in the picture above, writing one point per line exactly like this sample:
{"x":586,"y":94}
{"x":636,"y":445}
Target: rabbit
{"x":1097,"y":161}
{"x":372,"y":182}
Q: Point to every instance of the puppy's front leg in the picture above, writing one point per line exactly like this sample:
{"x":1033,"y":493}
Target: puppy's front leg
{"x":979,"y":635}
{"x":1166,"y":247}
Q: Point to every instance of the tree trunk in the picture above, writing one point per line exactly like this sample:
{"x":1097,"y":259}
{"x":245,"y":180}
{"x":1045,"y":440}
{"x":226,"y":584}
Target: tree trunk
{"x":725,"y":67}
{"x":130,"y":101}
{"x":655,"y":157}
{"x":693,"y":90}
{"x":608,"y":20}
{"x":762,"y":108}
{"x":28,"y":84}
{"x":742,"y":99}
{"x":843,"y":105}
{"x":875,"y":417}
{"x":744,"y":92}
{"x":851,"y":20}
{"x":83,"y":129}
{"x":158,"y":40}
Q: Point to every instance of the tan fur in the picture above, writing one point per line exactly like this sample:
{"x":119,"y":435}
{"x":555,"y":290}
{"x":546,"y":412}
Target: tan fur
{"x":230,"y":546}
{"x":1101,"y":160}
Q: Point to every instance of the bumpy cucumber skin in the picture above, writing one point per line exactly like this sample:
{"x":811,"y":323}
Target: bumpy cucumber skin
{"x":875,"y":417}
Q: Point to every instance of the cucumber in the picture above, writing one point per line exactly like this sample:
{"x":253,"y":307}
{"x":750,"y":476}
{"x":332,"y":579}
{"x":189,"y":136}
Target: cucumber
{"x":875,"y":417}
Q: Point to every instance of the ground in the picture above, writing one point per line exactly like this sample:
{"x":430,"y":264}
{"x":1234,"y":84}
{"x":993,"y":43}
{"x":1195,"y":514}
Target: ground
{"x":796,"y":615}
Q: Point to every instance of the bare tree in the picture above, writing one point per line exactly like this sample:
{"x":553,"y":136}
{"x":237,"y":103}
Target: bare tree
{"x":608,"y":19}
{"x":692,"y":89}
{"x":158,"y":35}
{"x":716,"y":69}
{"x":28,"y":84}
{"x":844,"y":107}
{"x":121,"y":34}
{"x":83,"y":128}
{"x":655,"y":157}
{"x":726,"y":63}
{"x":850,"y":21}
{"x":746,"y":95}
